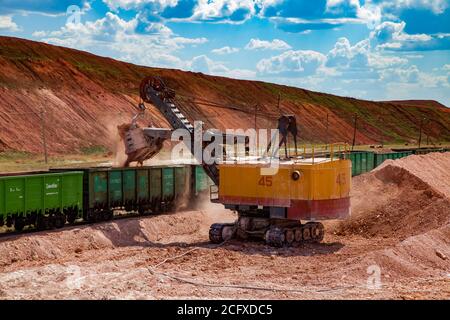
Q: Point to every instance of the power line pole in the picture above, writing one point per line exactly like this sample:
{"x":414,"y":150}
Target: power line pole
{"x":279,"y":100}
{"x":256,"y":111}
{"x":327,"y":136}
{"x":420,"y":132}
{"x":44,"y":140}
{"x":354,"y":132}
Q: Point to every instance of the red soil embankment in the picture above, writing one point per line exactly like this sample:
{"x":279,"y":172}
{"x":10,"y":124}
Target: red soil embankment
{"x":85,"y":97}
{"x":401,"y":198}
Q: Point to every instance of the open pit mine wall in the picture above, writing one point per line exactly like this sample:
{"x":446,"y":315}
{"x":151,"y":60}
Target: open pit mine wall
{"x":80,"y":98}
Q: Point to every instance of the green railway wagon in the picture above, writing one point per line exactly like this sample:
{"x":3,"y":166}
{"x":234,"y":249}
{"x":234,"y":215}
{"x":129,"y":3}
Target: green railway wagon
{"x":97,"y":195}
{"x":155,"y":188}
{"x":202,"y":182}
{"x":107,"y":189}
{"x":381,"y":157}
{"x":129,"y":189}
{"x":167,"y":187}
{"x":44,"y":200}
{"x":423,"y":150}
{"x":362,"y":162}
{"x":143,"y":188}
{"x":182,"y":181}
{"x":428,"y":150}
{"x":102,"y":191}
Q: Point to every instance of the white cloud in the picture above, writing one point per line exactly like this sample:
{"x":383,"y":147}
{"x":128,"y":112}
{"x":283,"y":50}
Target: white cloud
{"x":343,"y":55}
{"x":302,"y":62}
{"x":379,"y":61}
{"x":206,"y":65}
{"x":414,"y":56}
{"x":406,"y":75}
{"x":39,"y":34}
{"x":436,"y":6}
{"x":432,"y":81}
{"x":391,"y":35}
{"x":225,"y":50}
{"x":6,"y":23}
{"x":138,"y":4}
{"x":158,"y":28}
{"x":276,"y":44}
{"x":412,"y":75}
{"x":387,"y":32}
{"x":367,"y":13}
{"x":230,"y":10}
{"x":241,"y":74}
{"x":118,"y":38}
{"x":263,"y":5}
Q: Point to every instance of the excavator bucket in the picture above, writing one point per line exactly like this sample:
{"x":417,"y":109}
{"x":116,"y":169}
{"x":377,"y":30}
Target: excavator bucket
{"x":142,"y":144}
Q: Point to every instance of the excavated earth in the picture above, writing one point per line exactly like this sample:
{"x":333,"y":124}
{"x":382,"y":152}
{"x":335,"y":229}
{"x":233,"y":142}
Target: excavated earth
{"x":85,"y":97}
{"x":399,"y":230}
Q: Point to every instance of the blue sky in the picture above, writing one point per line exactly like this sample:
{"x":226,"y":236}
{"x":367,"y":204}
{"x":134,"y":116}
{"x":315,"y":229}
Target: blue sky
{"x":370,"y":49}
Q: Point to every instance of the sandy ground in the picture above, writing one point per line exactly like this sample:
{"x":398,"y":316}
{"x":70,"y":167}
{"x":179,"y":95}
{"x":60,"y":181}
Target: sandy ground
{"x":395,"y":246}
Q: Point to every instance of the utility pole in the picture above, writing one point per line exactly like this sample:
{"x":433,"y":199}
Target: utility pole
{"x":44,"y":140}
{"x":354,"y":132}
{"x":256,"y":111}
{"x":327,"y":136}
{"x":420,"y":131}
{"x":279,"y":100}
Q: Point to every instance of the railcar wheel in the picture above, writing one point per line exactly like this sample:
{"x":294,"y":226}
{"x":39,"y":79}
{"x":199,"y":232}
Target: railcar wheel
{"x":51,"y":222}
{"x":108,"y":215}
{"x":9,"y":222}
{"x":59,"y":220}
{"x":42,"y":223}
{"x":90,"y":216}
{"x":71,"y":217}
{"x":19,"y":224}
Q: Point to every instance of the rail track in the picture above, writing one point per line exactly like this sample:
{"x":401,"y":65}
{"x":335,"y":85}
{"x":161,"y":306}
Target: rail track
{"x":11,"y":232}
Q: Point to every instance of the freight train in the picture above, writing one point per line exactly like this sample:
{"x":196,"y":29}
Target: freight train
{"x":47,"y":200}
{"x":365,"y":161}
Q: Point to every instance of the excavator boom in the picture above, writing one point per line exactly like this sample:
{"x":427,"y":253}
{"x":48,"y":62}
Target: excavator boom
{"x":153,"y":90}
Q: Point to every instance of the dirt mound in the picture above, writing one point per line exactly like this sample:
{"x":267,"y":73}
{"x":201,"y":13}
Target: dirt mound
{"x":83,"y":94}
{"x":433,"y":169}
{"x":181,"y":228}
{"x":423,"y":255}
{"x":401,"y":198}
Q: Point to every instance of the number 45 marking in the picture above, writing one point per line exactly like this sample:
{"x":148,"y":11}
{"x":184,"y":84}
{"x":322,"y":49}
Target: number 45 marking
{"x":341,"y":179}
{"x":265,"y":181}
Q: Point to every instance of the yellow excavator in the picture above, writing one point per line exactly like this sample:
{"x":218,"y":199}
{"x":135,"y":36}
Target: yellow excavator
{"x":281,"y":204}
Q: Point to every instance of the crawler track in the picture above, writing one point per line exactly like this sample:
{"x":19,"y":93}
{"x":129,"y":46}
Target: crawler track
{"x":288,"y":233}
